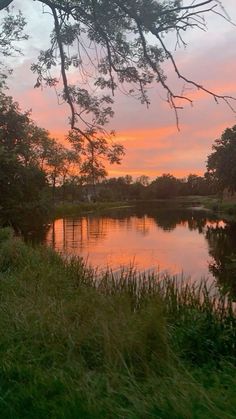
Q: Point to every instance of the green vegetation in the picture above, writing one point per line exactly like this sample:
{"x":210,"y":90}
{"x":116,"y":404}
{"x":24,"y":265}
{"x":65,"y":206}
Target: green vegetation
{"x":36,"y":172}
{"x":76,"y":346}
{"x":21,"y":176}
{"x":72,"y":209}
{"x":228,"y":208}
{"x":78,"y":208}
{"x":221,"y":162}
{"x":34,"y":168}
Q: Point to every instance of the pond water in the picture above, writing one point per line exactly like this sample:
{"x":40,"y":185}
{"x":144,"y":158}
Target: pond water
{"x":157,"y":236}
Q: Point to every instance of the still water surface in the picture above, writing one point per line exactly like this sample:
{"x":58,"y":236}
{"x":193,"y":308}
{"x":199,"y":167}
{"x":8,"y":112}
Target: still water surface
{"x":156,"y":236}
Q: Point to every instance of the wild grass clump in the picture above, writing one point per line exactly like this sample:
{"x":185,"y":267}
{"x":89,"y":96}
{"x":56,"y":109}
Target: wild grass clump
{"x":119,"y":346}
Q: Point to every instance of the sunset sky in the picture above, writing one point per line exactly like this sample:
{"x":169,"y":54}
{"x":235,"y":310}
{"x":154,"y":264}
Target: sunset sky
{"x":152,"y":141}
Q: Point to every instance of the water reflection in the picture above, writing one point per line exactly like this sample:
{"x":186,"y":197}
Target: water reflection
{"x":164,"y":238}
{"x":222,"y":247}
{"x":30,"y":224}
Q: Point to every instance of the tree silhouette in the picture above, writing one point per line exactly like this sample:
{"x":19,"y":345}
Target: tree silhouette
{"x":221,"y":162}
{"x":124,"y":42}
{"x":21,"y":177}
{"x":11,"y":32}
{"x":29,"y":158}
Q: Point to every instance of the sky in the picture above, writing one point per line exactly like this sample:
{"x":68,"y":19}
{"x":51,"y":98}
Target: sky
{"x":152,"y":142}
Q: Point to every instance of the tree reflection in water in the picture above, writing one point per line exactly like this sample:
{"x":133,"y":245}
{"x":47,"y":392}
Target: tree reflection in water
{"x":29,"y":223}
{"x":222,"y":248}
{"x":163,"y":229}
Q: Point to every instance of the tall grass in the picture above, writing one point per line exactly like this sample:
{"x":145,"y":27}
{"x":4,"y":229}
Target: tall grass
{"x":73,"y":345}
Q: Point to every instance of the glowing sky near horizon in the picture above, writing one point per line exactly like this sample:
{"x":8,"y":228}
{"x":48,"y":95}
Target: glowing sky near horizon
{"x":152,"y":141}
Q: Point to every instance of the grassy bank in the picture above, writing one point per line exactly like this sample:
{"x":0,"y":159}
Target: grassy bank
{"x":225,"y":208}
{"x":80,"y":208}
{"x":130,"y":347}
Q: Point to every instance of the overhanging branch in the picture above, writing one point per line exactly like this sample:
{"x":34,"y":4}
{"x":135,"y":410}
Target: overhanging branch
{"x":5,"y":3}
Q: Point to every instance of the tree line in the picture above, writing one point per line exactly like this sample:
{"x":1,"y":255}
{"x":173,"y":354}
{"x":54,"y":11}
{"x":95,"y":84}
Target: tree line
{"x":36,"y":169}
{"x":165,"y":186}
{"x":32,"y":162}
{"x":113,"y":45}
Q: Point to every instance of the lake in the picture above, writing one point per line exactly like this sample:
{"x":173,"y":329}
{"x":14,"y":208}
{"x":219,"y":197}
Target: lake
{"x":155,"y":236}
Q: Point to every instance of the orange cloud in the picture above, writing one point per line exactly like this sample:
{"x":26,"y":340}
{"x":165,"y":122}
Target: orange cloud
{"x":148,"y":133}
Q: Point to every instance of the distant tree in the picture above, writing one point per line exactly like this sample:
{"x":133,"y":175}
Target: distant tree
{"x":20,"y":185}
{"x":120,"y":188}
{"x":128,"y":179}
{"x":55,"y":165}
{"x":72,"y":188}
{"x":41,"y":146}
{"x":165,"y":186}
{"x":221,"y":163}
{"x":211,"y":182}
{"x":11,"y":32}
{"x":199,"y":185}
{"x":143,"y":180}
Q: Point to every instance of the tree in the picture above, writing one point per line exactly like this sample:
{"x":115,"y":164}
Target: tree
{"x":20,"y":185}
{"x":143,"y":180}
{"x":165,"y":186}
{"x":20,"y":136}
{"x":129,"y":48}
{"x":72,"y":188}
{"x":221,"y":162}
{"x":198,"y":185}
{"x":11,"y":32}
{"x":93,"y":155}
{"x":29,"y":158}
{"x":56,"y":165}
{"x":13,"y":127}
{"x":25,"y":150}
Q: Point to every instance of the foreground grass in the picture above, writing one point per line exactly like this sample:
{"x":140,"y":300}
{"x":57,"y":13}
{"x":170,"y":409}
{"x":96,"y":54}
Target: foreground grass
{"x":73,"y":346}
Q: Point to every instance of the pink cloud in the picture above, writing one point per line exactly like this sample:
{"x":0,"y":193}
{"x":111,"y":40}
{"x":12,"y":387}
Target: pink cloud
{"x":153,"y":144}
